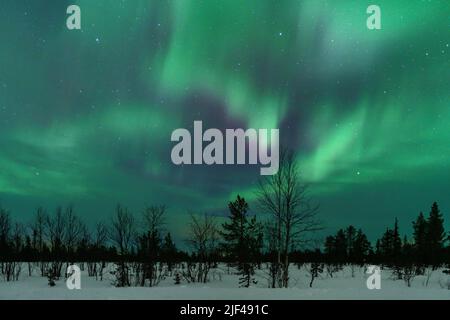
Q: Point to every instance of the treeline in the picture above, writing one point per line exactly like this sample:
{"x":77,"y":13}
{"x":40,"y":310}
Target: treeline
{"x":143,"y":256}
{"x":143,"y":252}
{"x":52,"y":242}
{"x":423,"y":253}
{"x":425,"y":248}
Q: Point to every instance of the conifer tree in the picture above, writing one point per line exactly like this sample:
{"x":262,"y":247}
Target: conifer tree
{"x":435,"y":235}
{"x":420,"y":238}
{"x":341,"y":246}
{"x":350,"y":235}
{"x":361,"y":247}
{"x":396,"y":250}
{"x":386,"y":247}
{"x":396,"y":241}
{"x":242,"y":239}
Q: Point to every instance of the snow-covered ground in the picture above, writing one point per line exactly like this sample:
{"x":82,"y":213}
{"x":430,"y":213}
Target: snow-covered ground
{"x":223,"y":285}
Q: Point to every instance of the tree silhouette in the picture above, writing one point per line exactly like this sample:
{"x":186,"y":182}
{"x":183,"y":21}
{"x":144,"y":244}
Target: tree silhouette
{"x":420,"y":239}
{"x":293,"y":216}
{"x":204,"y":240}
{"x":435,"y":236}
{"x":242,"y":238}
{"x":123,"y":234}
{"x":169,"y":252}
{"x":143,"y":257}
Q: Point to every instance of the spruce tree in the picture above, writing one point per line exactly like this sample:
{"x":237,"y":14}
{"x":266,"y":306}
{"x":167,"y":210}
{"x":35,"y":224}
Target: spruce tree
{"x":350,"y":235}
{"x":330,"y":248}
{"x":435,"y":235}
{"x":235,"y":230}
{"x":378,"y":247}
{"x":341,"y":246}
{"x":361,"y":247}
{"x":396,"y":241}
{"x":243,"y":240}
{"x":386,"y":247}
{"x":420,"y":238}
{"x":396,"y":250}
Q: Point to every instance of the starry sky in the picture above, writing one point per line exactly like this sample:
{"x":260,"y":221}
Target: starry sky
{"x":86,"y":115}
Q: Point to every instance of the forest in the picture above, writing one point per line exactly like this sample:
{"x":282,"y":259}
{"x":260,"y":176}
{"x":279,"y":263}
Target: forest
{"x":284,"y":234}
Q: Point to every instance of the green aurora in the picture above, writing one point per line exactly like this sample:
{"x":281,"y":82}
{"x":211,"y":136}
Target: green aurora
{"x":86,"y":116}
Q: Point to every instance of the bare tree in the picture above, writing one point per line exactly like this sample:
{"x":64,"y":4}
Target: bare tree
{"x":5,"y":229}
{"x":11,"y":244}
{"x":203,"y":238}
{"x":101,"y":236}
{"x":122,"y":233}
{"x":56,"y":232}
{"x":5,"y":249}
{"x":154,"y":217}
{"x":292,"y":215}
{"x":38,"y":230}
{"x":15,"y":264}
{"x":273,"y":238}
{"x":74,"y":230}
{"x":123,"y":230}
{"x":150,"y":245}
{"x":84,"y":244}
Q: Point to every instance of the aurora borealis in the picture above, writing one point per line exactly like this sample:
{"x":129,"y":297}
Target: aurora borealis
{"x":86,"y":116}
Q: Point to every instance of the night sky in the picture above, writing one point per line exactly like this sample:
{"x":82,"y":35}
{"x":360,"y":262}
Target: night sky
{"x":86,"y":115}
